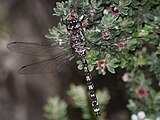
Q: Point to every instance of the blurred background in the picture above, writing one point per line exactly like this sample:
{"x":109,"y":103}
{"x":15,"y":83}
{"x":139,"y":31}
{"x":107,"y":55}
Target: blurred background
{"x":22,"y":97}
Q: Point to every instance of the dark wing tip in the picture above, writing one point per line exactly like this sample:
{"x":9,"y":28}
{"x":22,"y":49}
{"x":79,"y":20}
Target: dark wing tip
{"x":10,"y":45}
{"x":20,"y":70}
{"x":23,"y":67}
{"x":13,"y":42}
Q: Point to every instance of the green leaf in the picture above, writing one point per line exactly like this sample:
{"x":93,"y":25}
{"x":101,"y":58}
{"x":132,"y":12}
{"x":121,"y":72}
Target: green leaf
{"x":103,"y":98}
{"x":130,"y":12}
{"x":80,"y":100}
{"x":150,"y":16}
{"x":50,"y":36}
{"x":132,"y":44}
{"x":115,"y":65}
{"x":93,"y":2}
{"x":143,"y":2}
{"x":123,"y":63}
{"x":56,"y":109}
{"x":58,"y":11}
{"x":113,"y":61}
{"x":127,"y":2}
{"x":116,"y":1}
{"x":135,"y":4}
{"x":99,"y":2}
{"x":111,"y":69}
{"x":90,"y":67}
{"x":108,"y":57}
{"x":154,"y":1}
{"x":124,"y":11}
{"x":158,"y":49}
{"x":103,"y":72}
{"x":80,"y":65}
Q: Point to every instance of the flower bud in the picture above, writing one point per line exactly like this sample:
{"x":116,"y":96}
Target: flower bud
{"x":106,"y":34}
{"x":114,"y":10}
{"x":134,"y":117}
{"x":141,"y":115}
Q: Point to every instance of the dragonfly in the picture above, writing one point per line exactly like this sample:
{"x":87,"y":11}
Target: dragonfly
{"x":76,"y":45}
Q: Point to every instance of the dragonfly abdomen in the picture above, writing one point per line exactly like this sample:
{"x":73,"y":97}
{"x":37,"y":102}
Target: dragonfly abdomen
{"x":90,"y":86}
{"x":74,"y":27}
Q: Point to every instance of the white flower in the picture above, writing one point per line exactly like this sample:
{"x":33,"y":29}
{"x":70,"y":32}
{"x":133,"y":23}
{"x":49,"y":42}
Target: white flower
{"x":105,"y":12}
{"x":141,"y":115}
{"x":158,"y":118}
{"x":126,"y":78}
{"x":134,"y":117}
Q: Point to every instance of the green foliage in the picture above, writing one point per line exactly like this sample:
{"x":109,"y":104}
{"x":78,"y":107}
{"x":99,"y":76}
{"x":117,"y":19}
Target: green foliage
{"x":111,"y":63}
{"x":150,"y":102}
{"x":56,"y":108}
{"x":82,"y":101}
{"x":58,"y":34}
{"x":126,"y":36}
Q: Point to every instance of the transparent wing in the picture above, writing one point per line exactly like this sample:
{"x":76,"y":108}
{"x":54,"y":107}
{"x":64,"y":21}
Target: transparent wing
{"x":58,"y":55}
{"x":46,"y":66}
{"x":35,"y":49}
